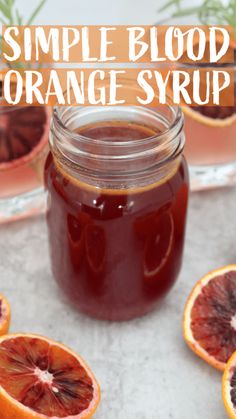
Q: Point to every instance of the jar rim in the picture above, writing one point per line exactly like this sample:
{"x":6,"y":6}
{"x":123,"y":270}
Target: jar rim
{"x":128,"y":161}
{"x":171,"y":129}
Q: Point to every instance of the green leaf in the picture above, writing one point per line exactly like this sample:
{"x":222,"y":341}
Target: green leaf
{"x":168,"y":5}
{"x":187,"y":12}
{"x":5,"y":9}
{"x":18,"y":17}
{"x":9,"y":2}
{"x":209,"y":11}
{"x":36,"y":11}
{"x":11,"y":15}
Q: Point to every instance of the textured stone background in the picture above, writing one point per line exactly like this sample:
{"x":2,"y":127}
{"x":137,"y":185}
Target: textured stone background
{"x":144,"y":367}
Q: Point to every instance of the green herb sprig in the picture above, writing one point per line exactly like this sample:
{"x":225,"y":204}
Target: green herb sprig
{"x":10,"y":15}
{"x":209,"y":12}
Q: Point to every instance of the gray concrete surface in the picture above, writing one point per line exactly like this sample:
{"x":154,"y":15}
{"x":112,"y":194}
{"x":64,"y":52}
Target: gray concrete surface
{"x":144,"y":367}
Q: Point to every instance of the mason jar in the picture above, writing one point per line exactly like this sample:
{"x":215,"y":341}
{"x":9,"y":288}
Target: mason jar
{"x":117,"y":185}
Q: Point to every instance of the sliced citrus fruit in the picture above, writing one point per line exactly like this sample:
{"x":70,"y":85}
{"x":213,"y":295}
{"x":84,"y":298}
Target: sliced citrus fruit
{"x":42,"y":379}
{"x":229,"y":386}
{"x":22,"y":129}
{"x":210,"y":128}
{"x":23,"y":147}
{"x":212,"y":116}
{"x":158,"y":245}
{"x":5,"y":315}
{"x":210,"y":317}
{"x":209,"y":134}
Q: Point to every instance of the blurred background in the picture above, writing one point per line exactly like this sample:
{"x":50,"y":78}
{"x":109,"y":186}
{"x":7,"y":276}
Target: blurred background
{"x":108,"y":12}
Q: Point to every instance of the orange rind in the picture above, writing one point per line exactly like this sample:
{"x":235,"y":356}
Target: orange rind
{"x":209,"y":321}
{"x":42,"y":379}
{"x":5,"y":315}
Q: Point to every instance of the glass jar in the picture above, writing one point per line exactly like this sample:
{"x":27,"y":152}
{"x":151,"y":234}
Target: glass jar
{"x":23,"y":150}
{"x":117,"y":199}
{"x":211,"y":143}
{"x":210,"y":131}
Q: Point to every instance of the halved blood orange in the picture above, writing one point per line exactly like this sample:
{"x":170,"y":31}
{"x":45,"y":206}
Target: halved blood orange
{"x":210,"y":317}
{"x":5,"y":315}
{"x":229,"y":387}
{"x":42,"y":379}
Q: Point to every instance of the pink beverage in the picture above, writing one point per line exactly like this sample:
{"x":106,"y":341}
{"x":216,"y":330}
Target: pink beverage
{"x":23,"y":149}
{"x":211,"y":145}
{"x":210,"y":142}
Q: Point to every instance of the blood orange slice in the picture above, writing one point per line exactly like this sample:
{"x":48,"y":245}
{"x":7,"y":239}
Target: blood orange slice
{"x":22,"y":130}
{"x":5,"y":315}
{"x":229,"y":387}
{"x":210,"y":317}
{"x":212,"y":116}
{"x":42,"y":379}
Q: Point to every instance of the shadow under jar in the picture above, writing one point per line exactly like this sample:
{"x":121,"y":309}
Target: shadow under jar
{"x":117,"y":199}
